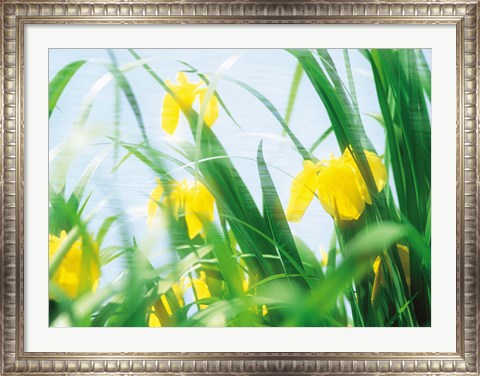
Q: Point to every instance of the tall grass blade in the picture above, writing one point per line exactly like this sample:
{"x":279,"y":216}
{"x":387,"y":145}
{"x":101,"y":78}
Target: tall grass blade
{"x":292,"y":96}
{"x":275,"y":217}
{"x":60,"y":81}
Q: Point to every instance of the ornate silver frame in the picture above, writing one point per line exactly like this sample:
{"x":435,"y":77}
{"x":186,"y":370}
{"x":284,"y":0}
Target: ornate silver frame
{"x":16,"y":14}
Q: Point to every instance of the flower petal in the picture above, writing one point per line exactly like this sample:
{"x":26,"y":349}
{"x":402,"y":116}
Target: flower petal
{"x":72,"y":276}
{"x":302,"y":192}
{"x":170,"y":114}
{"x":211,"y":111}
{"x":201,"y":288}
{"x":199,"y":204}
{"x":404,"y":255}
{"x":186,"y":90}
{"x":153,"y":320}
{"x":377,"y":167}
{"x":152,"y":205}
{"x":378,"y":280}
{"x":182,"y":78}
{"x":339,"y":191}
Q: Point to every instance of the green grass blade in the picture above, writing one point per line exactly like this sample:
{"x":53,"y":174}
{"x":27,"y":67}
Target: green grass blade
{"x":351,"y":83}
{"x":62,"y":250}
{"x":127,"y":90}
{"x":60,"y":81}
{"x":292,"y":96}
{"x":269,"y":105}
{"x":228,"y":266}
{"x":104,"y":227}
{"x":322,"y":138}
{"x":275,"y":217}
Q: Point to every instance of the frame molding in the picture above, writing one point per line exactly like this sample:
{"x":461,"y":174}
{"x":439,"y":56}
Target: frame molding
{"x":15,"y":14}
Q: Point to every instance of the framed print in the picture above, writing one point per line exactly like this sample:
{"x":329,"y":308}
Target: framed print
{"x":239,"y":187}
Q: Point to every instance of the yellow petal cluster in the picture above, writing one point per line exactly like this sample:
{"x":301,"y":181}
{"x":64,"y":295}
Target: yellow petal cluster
{"x":68,"y":276}
{"x":154,"y":317}
{"x":339,"y":184}
{"x":200,"y":290}
{"x":186,"y":93}
{"x":190,"y":199}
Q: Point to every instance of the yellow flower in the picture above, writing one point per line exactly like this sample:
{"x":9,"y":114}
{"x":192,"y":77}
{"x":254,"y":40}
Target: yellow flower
{"x":186,"y":92}
{"x":201,"y":289}
{"x":341,"y":189}
{"x":68,"y":276}
{"x":378,"y":280}
{"x":379,"y":171}
{"x":191,"y":199}
{"x":302,"y":191}
{"x":403,"y":253}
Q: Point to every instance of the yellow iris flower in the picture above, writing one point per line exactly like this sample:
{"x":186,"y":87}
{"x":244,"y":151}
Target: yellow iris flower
{"x":191,"y":199}
{"x":341,"y":189}
{"x":69,"y":273}
{"x":186,"y":92}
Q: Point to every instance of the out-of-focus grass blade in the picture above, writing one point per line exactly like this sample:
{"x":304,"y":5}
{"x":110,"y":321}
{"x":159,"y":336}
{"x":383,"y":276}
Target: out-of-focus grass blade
{"x":97,"y":87}
{"x":228,"y":266}
{"x":180,"y":268}
{"x":226,"y":311}
{"x":62,"y":250}
{"x":104,"y":227}
{"x":319,"y":140}
{"x":310,"y":262}
{"x":111,"y":253}
{"x":125,"y":86}
{"x":273,"y":278}
{"x":83,"y":206}
{"x":332,"y":254}
{"x":101,"y":318}
{"x":60,"y":81}
{"x":143,"y":158}
{"x":87,"y":174}
{"x":297,"y":78}
{"x":361,"y":250}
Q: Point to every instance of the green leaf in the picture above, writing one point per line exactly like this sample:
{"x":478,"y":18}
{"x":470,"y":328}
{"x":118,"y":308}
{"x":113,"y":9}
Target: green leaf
{"x":276,"y":220}
{"x":125,"y":86}
{"x":60,"y":81}
{"x":104,"y":227}
{"x":269,"y":105}
{"x":62,"y":251}
{"x":297,"y":78}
